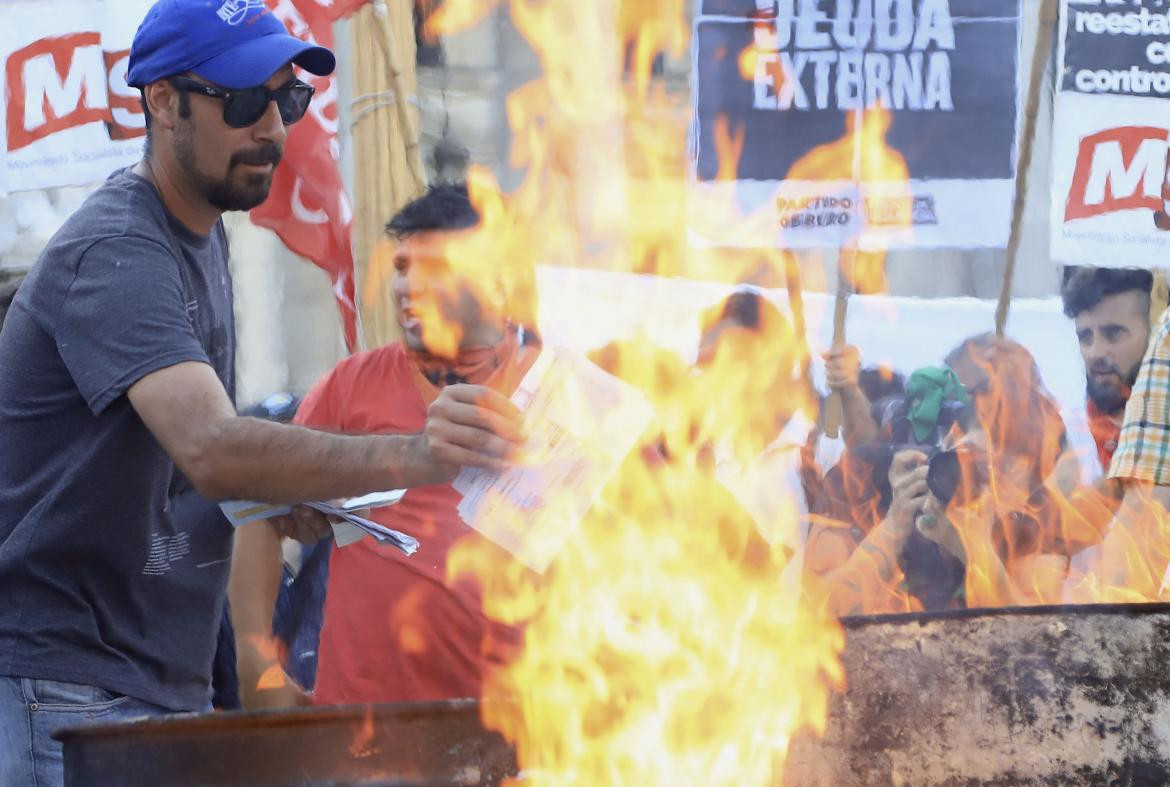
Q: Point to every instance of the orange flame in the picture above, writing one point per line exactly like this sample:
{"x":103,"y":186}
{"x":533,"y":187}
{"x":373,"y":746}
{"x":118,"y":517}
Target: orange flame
{"x":272,"y":678}
{"x":362,"y":744}
{"x":862,"y":156}
{"x":272,"y":652}
{"x":667,"y":642}
{"x":454,"y":16}
{"x":651,"y":644}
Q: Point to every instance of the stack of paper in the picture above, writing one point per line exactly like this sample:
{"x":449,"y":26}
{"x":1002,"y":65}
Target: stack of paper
{"x":349,"y":517}
{"x":580,"y":423}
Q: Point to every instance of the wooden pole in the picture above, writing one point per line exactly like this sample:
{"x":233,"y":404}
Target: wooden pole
{"x":796,"y":307}
{"x":1044,"y":33}
{"x":834,"y":407}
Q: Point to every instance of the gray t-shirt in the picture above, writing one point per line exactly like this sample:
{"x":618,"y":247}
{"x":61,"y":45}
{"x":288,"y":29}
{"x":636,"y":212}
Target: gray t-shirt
{"x":112,"y":569}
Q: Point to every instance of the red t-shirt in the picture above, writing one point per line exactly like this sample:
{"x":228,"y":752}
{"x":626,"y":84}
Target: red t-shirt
{"x":394,"y":628}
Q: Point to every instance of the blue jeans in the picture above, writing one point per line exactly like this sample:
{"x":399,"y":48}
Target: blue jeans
{"x":32,"y":710}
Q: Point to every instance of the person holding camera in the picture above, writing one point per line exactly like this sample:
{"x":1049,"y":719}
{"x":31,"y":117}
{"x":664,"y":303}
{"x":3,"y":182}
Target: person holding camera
{"x":866,"y":580}
{"x":866,"y":555}
{"x":992,"y":503}
{"x":973,"y":465}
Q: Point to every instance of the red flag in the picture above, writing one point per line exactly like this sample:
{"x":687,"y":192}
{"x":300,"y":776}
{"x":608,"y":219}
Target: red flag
{"x":307,"y":206}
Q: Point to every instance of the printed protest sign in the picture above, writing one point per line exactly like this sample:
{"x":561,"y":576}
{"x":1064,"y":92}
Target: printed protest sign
{"x":1110,"y":133}
{"x":781,"y":78}
{"x":67,"y":115}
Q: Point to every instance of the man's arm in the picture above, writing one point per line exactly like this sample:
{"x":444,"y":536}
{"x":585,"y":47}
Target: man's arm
{"x":866,"y":581}
{"x":252,"y":591}
{"x":843,"y":375}
{"x":227,"y":456}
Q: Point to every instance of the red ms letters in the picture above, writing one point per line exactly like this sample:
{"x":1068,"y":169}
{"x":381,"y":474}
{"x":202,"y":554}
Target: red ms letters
{"x":61,"y":82}
{"x":1118,"y":169}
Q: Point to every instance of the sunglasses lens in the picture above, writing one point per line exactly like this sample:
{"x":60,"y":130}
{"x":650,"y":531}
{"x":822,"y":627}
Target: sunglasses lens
{"x":293,"y":102}
{"x":244,"y":107}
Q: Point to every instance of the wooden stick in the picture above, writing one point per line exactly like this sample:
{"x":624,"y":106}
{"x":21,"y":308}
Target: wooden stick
{"x":1047,"y":23}
{"x":834,"y":407}
{"x":796,"y":306}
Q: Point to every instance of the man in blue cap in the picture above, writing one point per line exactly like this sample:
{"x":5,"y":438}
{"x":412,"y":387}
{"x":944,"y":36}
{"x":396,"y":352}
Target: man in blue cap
{"x":116,"y":408}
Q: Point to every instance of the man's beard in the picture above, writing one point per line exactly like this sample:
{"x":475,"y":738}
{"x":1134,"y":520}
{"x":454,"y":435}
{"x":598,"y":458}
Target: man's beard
{"x":1110,"y":398}
{"x":223,"y":193}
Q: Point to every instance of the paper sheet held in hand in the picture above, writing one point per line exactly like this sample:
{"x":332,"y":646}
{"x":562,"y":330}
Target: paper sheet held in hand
{"x":581,"y":423}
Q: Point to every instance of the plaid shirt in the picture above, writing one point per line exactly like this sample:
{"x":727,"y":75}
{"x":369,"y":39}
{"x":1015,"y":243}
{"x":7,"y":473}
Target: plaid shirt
{"x":1143,"y":453}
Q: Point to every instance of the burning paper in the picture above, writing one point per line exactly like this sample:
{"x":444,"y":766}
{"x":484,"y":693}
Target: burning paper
{"x":581,"y":423}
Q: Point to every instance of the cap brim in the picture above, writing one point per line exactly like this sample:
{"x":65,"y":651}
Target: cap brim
{"x":254,"y":62}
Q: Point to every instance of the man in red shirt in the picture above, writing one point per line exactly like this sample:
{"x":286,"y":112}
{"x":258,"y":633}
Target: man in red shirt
{"x":397,"y":628}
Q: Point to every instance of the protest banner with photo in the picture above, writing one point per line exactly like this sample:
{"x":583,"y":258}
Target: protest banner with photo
{"x":67,"y":115}
{"x":1110,"y":133}
{"x":778,"y":79}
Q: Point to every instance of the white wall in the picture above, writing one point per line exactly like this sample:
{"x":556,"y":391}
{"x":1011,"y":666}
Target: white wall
{"x":587,"y":309}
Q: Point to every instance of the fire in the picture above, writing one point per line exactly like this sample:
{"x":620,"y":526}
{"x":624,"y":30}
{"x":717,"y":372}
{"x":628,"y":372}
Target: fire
{"x":363,"y":744}
{"x":664,"y":644}
{"x":668,"y":643}
{"x":272,"y":651}
{"x":861,"y":157}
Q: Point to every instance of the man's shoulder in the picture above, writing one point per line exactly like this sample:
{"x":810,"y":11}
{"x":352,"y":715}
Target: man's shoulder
{"x":125,"y":208}
{"x":388,"y":363}
{"x":380,"y":369}
{"x":122,"y":203}
{"x":369,"y":378}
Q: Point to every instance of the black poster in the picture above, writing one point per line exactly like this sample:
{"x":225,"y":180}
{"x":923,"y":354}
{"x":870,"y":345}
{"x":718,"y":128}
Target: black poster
{"x":1112,"y":49}
{"x":945,"y":68}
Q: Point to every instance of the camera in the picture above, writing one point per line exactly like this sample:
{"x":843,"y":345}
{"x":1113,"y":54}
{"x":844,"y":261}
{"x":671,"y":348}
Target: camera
{"x":957,"y":476}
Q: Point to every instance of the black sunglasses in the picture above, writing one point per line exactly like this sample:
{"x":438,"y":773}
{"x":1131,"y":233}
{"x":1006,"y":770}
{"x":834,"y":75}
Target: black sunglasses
{"x":244,"y":106}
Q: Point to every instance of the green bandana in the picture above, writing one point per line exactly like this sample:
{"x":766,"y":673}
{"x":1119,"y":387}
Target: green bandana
{"x":926,"y":391}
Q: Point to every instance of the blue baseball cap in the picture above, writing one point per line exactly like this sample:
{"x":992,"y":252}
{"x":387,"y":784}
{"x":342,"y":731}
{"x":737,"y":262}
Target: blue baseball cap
{"x":231,"y":43}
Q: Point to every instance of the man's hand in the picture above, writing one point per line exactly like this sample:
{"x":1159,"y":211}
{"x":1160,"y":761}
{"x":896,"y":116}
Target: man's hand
{"x":843,"y":368}
{"x":941,"y":526}
{"x":469,"y":425}
{"x":304,"y":524}
{"x":908,"y":485}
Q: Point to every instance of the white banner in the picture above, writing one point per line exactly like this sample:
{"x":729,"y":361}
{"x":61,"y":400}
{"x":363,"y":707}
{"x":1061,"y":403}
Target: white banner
{"x":66,"y":113}
{"x":1110,"y":134}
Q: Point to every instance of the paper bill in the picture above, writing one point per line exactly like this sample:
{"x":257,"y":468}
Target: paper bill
{"x":349,"y":518}
{"x":581,"y":423}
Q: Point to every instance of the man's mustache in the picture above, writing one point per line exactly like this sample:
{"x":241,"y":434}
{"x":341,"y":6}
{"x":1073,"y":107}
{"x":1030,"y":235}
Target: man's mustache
{"x":1104,"y":367}
{"x":270,"y":154}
